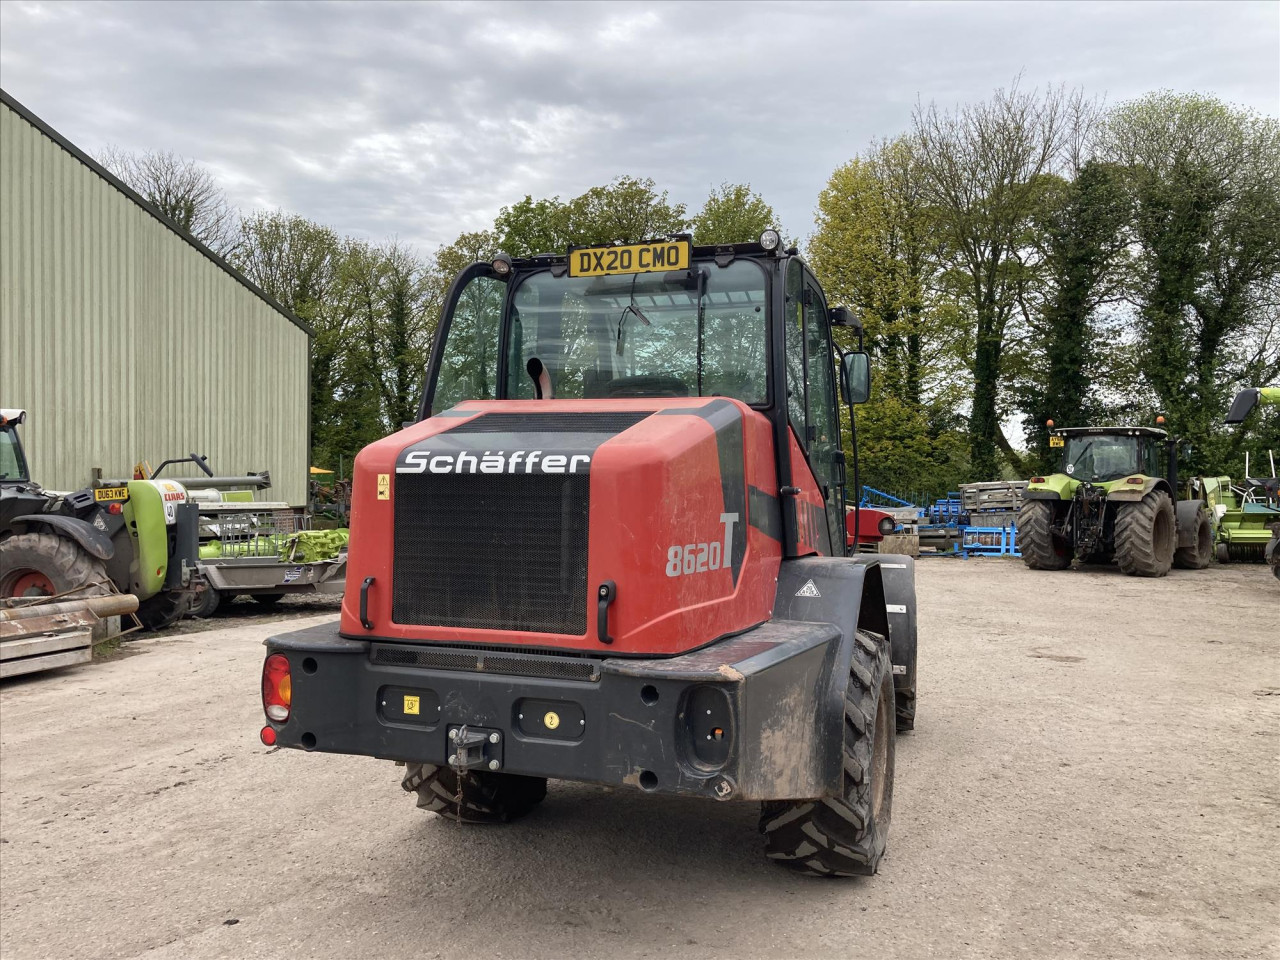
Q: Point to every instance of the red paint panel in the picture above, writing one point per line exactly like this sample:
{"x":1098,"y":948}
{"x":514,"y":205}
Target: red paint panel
{"x":656,"y":490}
{"x":810,"y":507}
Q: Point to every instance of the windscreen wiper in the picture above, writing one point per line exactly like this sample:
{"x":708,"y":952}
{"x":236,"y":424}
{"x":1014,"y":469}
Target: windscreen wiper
{"x":631,"y":307}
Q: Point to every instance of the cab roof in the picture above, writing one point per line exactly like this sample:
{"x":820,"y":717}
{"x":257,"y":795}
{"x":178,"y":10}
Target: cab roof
{"x":1155,"y":432}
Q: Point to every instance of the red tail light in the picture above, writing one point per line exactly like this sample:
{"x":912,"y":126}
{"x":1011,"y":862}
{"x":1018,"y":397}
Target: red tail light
{"x":277,"y":687}
{"x":1037,"y":479}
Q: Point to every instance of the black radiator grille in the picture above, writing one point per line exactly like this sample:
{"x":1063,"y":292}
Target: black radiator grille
{"x":492,"y":551}
{"x":485,"y":661}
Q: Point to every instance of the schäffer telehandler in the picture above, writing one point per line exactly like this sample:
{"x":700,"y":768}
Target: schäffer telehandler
{"x":612,"y":550}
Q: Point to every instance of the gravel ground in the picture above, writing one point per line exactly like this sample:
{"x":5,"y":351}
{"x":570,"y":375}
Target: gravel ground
{"x":1094,"y":773}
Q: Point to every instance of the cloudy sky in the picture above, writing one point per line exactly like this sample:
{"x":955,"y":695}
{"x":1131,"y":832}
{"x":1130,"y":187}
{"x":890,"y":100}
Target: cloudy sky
{"x":421,"y":120}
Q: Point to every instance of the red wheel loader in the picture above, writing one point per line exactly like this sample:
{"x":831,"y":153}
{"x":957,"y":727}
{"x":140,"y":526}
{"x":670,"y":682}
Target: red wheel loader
{"x":613,"y":550}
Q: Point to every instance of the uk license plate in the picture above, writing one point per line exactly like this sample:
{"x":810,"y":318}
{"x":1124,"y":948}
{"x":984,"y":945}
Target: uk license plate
{"x":106,"y":494}
{"x":1056,"y":441}
{"x":632,"y":258}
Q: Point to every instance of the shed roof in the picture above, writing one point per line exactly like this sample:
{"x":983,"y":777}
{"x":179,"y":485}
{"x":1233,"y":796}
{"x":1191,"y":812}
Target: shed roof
{"x":146,"y":205}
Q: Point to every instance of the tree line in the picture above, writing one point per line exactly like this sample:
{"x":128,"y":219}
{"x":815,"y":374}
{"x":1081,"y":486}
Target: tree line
{"x":1030,"y":257}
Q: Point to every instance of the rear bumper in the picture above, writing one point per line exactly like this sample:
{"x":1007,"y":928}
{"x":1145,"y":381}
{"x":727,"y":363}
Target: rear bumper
{"x":751,"y":717}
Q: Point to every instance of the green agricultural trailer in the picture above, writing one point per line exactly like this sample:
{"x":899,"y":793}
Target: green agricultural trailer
{"x":1113,"y":498}
{"x":1248,"y":513}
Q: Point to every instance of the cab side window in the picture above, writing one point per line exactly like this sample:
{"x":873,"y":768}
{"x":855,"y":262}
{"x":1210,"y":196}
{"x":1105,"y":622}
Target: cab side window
{"x":469,"y":364}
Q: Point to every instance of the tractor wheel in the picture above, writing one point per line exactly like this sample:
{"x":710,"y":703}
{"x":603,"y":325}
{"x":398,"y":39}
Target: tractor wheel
{"x":1198,"y":555}
{"x":845,"y":835}
{"x":486,"y":797}
{"x":1146,"y":535}
{"x":1040,"y":549}
{"x":156,"y":613}
{"x":266,"y":599}
{"x":45,"y":565}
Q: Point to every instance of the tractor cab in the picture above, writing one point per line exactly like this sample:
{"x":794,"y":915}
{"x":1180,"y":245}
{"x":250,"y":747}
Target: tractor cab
{"x":13,"y":461}
{"x":1106,"y":454}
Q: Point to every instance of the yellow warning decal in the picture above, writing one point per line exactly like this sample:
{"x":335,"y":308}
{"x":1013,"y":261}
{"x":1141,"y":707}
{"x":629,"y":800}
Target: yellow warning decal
{"x":551,"y":720}
{"x":384,"y":486}
{"x":411,"y":706}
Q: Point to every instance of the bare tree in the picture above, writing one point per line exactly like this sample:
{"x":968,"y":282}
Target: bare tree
{"x":183,"y":191}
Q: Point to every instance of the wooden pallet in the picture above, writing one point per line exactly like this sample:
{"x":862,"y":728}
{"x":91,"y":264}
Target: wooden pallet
{"x":46,"y":643}
{"x":998,"y":495}
{"x":901,"y":543}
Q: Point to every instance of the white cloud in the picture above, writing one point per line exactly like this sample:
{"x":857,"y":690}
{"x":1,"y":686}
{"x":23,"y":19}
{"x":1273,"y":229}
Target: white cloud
{"x":422,"y":120}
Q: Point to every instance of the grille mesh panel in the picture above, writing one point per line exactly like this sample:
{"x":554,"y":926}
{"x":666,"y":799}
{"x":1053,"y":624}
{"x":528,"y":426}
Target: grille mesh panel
{"x":558,"y":668}
{"x":492,"y":551}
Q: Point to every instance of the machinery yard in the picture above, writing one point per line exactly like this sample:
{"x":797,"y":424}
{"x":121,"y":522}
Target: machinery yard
{"x":1092,"y":774}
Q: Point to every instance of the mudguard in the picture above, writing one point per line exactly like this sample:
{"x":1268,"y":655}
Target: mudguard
{"x":898,"y":574}
{"x":1121,"y":491}
{"x":1188,"y":512}
{"x":1039,"y":494}
{"x":847,"y":593}
{"x":94,"y":541}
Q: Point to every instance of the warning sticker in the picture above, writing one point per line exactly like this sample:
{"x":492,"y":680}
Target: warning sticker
{"x":808,"y":590}
{"x":411,"y":706}
{"x":384,"y":486}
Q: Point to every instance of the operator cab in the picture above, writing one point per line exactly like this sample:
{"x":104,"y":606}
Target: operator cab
{"x":13,"y":462}
{"x":659,"y":319}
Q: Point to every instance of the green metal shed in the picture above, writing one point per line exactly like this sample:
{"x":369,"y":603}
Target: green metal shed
{"x":125,"y":338}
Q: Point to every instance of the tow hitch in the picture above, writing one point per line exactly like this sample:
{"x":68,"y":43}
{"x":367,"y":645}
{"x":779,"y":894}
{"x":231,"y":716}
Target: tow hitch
{"x":474,"y":748}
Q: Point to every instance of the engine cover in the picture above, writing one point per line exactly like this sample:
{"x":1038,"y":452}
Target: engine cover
{"x":607,"y":526}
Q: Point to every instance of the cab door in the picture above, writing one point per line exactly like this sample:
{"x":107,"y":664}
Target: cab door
{"x":811,"y":403}
{"x":826,"y":452}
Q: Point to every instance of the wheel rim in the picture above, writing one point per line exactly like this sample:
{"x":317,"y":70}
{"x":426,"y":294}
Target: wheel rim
{"x":880,"y":755}
{"x":28,"y":583}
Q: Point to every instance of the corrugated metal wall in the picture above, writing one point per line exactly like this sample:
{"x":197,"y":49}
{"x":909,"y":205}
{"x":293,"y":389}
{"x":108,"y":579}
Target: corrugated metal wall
{"x":123,"y":341}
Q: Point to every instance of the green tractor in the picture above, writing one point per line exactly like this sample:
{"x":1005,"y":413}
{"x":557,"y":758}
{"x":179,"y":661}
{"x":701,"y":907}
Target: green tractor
{"x":1114,"y":499}
{"x":126,"y":536}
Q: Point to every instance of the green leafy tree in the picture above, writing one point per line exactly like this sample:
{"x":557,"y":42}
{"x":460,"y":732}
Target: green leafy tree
{"x":532,"y":226}
{"x":1205,"y":183}
{"x":873,"y":251}
{"x":982,"y":171}
{"x":732,"y":214}
{"x":627,"y":209}
{"x":1081,"y":232}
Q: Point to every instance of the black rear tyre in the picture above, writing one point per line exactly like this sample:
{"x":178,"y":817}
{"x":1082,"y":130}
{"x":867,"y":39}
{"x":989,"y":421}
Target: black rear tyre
{"x":486,"y":797}
{"x":1146,"y":535}
{"x":207,"y":604}
{"x":45,"y":564}
{"x":156,"y":613}
{"x":1200,"y":552}
{"x":1040,"y":549}
{"x":846,"y":835}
